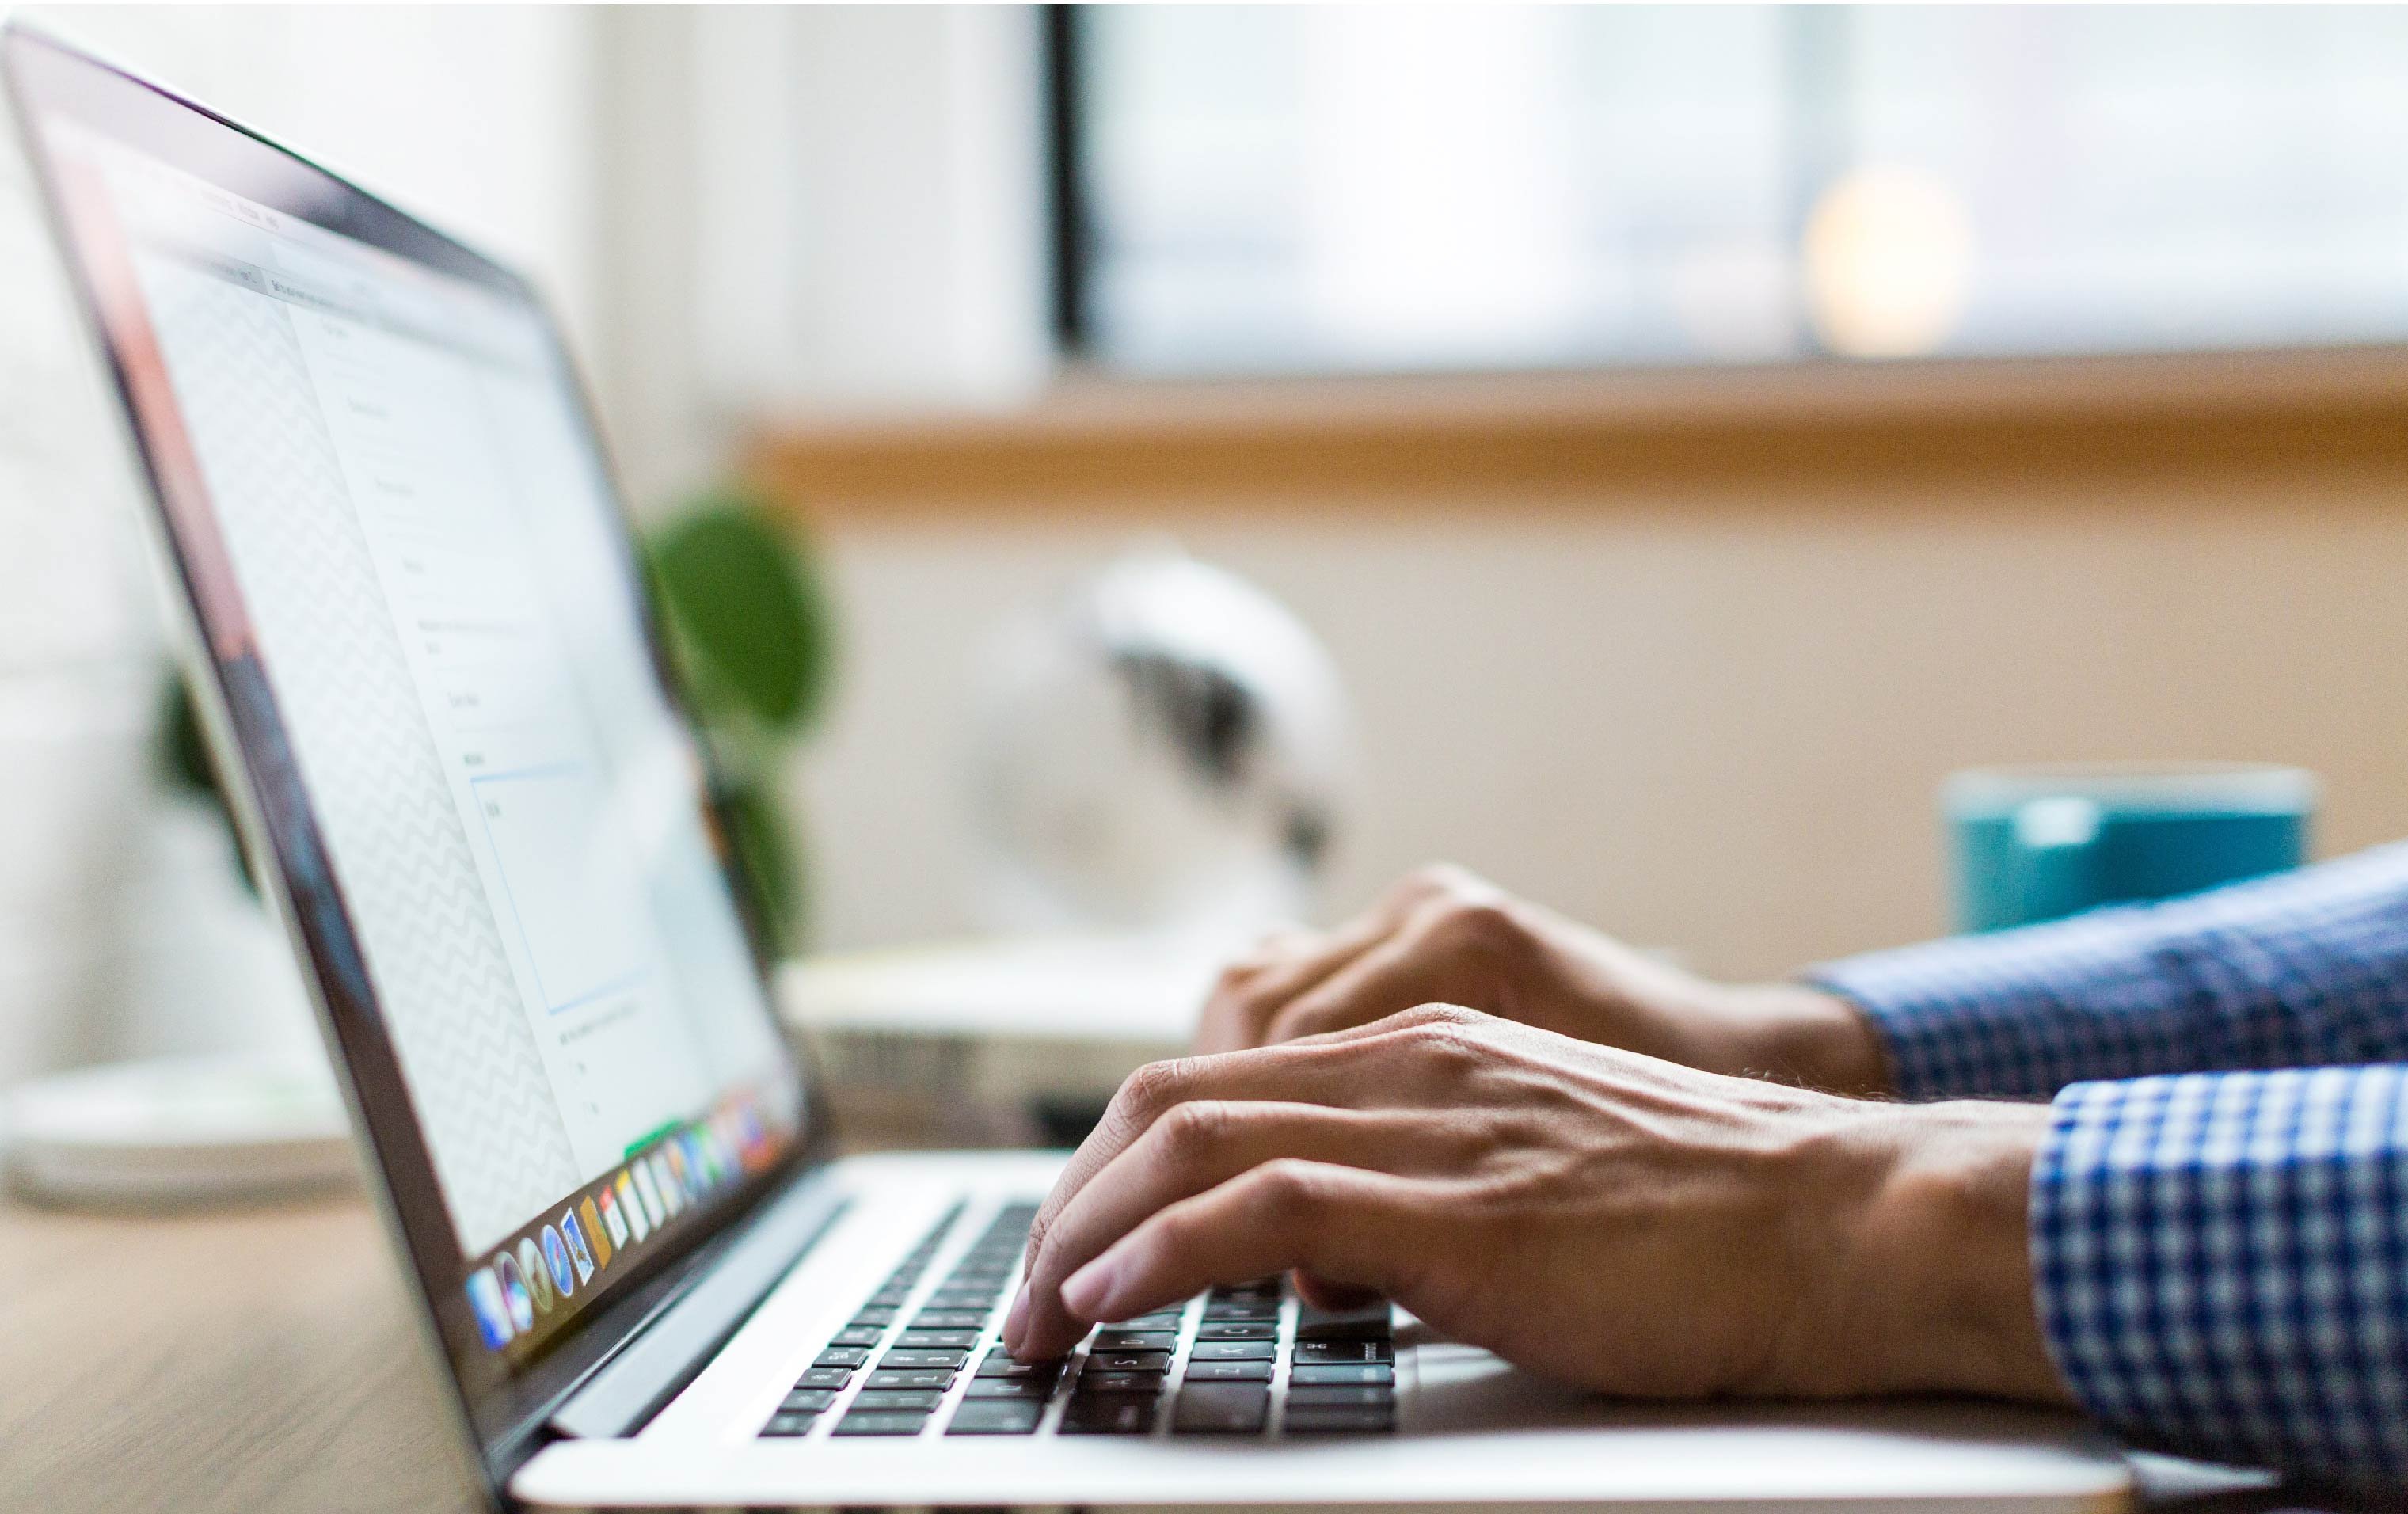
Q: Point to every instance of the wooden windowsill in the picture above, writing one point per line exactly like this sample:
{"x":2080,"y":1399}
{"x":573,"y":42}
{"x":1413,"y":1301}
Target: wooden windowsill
{"x":1110,"y":445}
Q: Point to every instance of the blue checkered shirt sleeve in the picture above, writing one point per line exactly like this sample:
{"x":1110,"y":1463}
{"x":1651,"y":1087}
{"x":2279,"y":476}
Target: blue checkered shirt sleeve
{"x":2219,"y":1255}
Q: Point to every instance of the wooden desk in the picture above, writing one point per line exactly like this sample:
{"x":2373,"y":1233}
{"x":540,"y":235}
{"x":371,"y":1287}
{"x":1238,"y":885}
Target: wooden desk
{"x":256,"y":1361}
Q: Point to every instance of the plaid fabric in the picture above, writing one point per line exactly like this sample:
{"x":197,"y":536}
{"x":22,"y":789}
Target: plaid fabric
{"x":2220,"y":1257}
{"x":2220,"y":1263}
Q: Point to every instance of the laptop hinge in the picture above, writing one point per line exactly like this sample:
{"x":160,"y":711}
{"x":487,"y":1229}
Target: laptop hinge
{"x":669,"y":1352}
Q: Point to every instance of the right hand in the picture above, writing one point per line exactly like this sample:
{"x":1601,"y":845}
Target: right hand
{"x":1443,"y":936}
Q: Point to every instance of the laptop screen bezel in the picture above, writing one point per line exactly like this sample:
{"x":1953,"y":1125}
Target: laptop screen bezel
{"x":52,"y":82}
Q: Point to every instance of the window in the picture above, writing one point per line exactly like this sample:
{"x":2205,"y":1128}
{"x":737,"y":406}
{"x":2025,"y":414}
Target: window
{"x":1316,"y":189}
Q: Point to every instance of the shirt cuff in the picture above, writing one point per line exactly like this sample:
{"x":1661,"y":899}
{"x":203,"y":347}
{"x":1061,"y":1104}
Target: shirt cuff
{"x":2220,"y":1263}
{"x":2020,"y":1014}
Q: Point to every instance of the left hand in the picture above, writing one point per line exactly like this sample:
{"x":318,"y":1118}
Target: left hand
{"x":1605,"y":1217}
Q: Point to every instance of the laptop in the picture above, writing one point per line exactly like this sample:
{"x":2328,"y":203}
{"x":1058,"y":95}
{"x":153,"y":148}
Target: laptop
{"x":413,"y":616}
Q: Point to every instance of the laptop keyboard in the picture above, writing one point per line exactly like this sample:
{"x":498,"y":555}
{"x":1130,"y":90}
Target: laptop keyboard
{"x":1252,"y":1360}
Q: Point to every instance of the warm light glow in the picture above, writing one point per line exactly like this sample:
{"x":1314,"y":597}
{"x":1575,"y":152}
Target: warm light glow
{"x":1887,"y":260}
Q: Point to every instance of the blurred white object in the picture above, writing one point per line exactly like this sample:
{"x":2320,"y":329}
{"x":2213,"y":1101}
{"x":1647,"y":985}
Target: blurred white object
{"x":986,"y":1040}
{"x":178,"y":1130}
{"x":1164,"y":749}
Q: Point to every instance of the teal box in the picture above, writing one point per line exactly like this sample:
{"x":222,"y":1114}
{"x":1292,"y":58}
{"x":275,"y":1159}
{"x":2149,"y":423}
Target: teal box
{"x":2034,"y":844}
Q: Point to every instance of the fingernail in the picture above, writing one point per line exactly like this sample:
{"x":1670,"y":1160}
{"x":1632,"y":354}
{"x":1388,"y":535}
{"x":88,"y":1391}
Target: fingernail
{"x":1089,"y":1289}
{"x":1017,"y":1318}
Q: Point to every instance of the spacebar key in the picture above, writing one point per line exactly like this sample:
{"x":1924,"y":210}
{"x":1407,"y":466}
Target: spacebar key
{"x":1221,"y":1408}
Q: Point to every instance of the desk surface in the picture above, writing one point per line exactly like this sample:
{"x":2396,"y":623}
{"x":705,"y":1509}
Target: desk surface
{"x":258,"y":1360}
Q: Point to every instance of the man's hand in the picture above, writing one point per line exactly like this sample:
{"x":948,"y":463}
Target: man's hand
{"x":1607,"y":1218}
{"x":1443,"y":936}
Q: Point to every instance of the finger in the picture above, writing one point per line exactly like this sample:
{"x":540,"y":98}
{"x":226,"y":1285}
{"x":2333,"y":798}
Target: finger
{"x":1287,"y":1075}
{"x":1341,"y":1224}
{"x":1197,"y":1146}
{"x":1281,"y":967}
{"x":1252,"y":991}
{"x":1409,"y":968}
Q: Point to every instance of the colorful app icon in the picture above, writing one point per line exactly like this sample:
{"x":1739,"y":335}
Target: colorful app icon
{"x":632,"y":1207}
{"x":555,"y":1261}
{"x":751,"y":1139}
{"x":647,"y":1190}
{"x":614,"y":1223}
{"x":664,"y":1178}
{"x":538,"y":1277}
{"x":493,"y":1315}
{"x":702,"y":1171}
{"x":578,"y":1251}
{"x":511,"y":1273}
{"x":680,"y":1173}
{"x":594,"y":1232}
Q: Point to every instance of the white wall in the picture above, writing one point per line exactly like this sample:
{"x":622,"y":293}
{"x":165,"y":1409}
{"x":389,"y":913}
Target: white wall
{"x":480,"y":118}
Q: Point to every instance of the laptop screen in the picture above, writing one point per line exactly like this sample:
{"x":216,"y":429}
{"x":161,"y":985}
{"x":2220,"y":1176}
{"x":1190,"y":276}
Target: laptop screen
{"x":421,"y":604}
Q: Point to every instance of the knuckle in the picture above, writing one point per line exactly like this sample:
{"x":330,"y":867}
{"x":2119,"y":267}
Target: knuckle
{"x":1285,"y":1186}
{"x":1195,"y":1128}
{"x":1479,"y":925}
{"x":1453,"y":1044}
{"x":1422,"y":1017}
{"x":1155,"y":1085}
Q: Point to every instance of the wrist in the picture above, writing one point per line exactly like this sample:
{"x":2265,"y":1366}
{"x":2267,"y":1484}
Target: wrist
{"x":1809,"y":1037}
{"x":1936,"y":1286}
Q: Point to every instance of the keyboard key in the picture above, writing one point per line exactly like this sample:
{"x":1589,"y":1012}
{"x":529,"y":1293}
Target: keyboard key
{"x":784,"y":1425}
{"x":1036,"y":1389}
{"x":1371,"y":1323}
{"x":949,"y":1319}
{"x":952,"y":1360}
{"x":937,"y":1340}
{"x":1315,"y":1419}
{"x":824,"y":1377}
{"x":1259,"y":1288}
{"x":1161,"y":1319}
{"x":911,"y":1377}
{"x":806,"y":1401}
{"x":889,"y":1297}
{"x":1135,"y":1340}
{"x":963,"y":1298}
{"x":1221,"y":1408}
{"x":1344,"y":1350}
{"x":875,"y":1314}
{"x":1001,"y":1363}
{"x":841,"y":1356}
{"x":859,"y":1336}
{"x":1332,"y":1395}
{"x":1242,"y":1308}
{"x":1117,"y":1416}
{"x":1232,"y":1351}
{"x":1229,"y":1371}
{"x":1349,"y":1372}
{"x":995,"y":1417}
{"x":881,"y":1422}
{"x":1120,"y":1382}
{"x":1129,"y":1360}
{"x":898,"y":1398}
{"x":1238,"y":1329}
